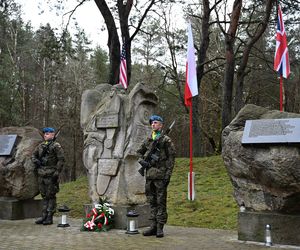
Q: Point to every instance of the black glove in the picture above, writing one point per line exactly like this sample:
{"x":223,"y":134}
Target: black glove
{"x":44,"y":161}
{"x":37,"y":163}
{"x":55,"y":176}
{"x":144,"y":164}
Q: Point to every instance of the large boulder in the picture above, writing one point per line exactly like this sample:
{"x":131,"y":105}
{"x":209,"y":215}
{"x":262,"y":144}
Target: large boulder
{"x":265,"y":177}
{"x":17,"y":176}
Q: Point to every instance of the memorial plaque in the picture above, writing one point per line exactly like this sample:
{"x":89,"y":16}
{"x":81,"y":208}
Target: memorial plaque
{"x":108,"y":166}
{"x":7,"y":143}
{"x":272,"y":131}
{"x":107,"y":121}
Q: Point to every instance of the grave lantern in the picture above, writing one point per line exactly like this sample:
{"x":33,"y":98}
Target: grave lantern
{"x":132,"y":222}
{"x":63,"y":210}
{"x":242,"y":207}
{"x":268,"y":237}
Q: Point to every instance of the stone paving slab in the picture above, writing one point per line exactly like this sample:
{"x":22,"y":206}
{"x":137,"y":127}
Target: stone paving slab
{"x":24,"y":234}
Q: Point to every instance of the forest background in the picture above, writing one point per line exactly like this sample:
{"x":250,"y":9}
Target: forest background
{"x":43,"y":72}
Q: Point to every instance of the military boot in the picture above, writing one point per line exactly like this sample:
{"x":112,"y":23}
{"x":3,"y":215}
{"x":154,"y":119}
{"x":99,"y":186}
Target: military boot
{"x":151,"y":231}
{"x":49,"y":219}
{"x":41,"y":219}
{"x":160,"y":232}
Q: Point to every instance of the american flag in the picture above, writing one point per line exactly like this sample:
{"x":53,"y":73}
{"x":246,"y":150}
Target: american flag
{"x":123,"y":68}
{"x":281,"y":60}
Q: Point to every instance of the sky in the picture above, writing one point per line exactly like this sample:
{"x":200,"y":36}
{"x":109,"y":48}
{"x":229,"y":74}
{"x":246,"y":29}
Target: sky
{"x":87,"y":16}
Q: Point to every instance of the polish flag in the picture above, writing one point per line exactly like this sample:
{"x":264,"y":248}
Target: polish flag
{"x":191,"y":85}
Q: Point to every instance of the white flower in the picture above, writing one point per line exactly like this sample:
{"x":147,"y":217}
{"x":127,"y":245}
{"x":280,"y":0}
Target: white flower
{"x":98,"y":206}
{"x":111,"y":211}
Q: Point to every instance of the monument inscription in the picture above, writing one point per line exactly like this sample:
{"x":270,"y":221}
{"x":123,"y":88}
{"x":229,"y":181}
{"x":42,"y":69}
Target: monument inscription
{"x":108,"y":121}
{"x":7,"y":143}
{"x":272,"y":131}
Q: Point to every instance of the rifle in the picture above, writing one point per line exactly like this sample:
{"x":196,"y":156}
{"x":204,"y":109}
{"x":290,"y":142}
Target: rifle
{"x":45,"y":151}
{"x":153,"y":155}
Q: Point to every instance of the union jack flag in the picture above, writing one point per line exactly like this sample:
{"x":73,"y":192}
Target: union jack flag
{"x":123,"y":68}
{"x":281,"y":60}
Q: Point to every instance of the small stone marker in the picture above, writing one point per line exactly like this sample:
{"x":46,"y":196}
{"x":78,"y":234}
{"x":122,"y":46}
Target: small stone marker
{"x":7,"y":143}
{"x":272,"y":131}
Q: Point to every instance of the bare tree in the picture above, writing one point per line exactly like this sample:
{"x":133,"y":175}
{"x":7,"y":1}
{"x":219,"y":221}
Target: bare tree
{"x":251,"y":36}
{"x":123,"y":9}
{"x":250,"y":42}
{"x":230,"y":36}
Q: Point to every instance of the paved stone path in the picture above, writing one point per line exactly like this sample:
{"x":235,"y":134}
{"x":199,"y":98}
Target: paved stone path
{"x":24,"y":234}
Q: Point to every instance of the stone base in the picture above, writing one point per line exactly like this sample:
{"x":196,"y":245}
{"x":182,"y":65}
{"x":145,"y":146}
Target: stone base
{"x":284,"y":227}
{"x":120,"y":219}
{"x":13,"y":209}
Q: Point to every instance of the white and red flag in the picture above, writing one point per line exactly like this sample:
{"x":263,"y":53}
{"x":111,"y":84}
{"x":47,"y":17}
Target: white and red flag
{"x":191,"y":85}
{"x":281,"y":59}
{"x":190,"y":90}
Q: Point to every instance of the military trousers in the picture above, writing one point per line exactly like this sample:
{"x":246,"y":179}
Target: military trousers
{"x":48,"y":187}
{"x":156,"y":193}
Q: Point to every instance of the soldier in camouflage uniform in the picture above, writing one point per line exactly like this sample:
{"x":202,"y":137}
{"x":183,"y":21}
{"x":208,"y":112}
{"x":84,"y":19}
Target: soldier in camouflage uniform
{"x":158,"y":176}
{"x":48,"y":158}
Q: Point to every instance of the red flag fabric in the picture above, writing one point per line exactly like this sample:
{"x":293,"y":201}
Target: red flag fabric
{"x":281,"y":60}
{"x":123,"y":68}
{"x":191,"y":84}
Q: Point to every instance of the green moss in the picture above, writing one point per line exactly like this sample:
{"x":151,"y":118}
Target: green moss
{"x":213,"y":207}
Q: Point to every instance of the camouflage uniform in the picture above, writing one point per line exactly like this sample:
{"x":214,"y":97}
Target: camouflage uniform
{"x":157,"y":178}
{"x":48,"y":170}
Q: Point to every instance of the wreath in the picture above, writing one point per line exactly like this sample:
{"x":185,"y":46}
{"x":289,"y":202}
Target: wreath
{"x":100,"y":218}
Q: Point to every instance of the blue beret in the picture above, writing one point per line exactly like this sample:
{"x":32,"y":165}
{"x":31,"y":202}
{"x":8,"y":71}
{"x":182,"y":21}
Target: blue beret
{"x":48,"y":130}
{"x":155,"y":118}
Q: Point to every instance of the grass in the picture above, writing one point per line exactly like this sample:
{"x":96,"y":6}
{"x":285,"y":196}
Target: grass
{"x":214,"y":206}
{"x":75,"y":195}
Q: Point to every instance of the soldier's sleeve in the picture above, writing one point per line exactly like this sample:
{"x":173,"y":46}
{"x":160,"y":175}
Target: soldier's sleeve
{"x":170,"y":153}
{"x":60,"y":157}
{"x":142,"y":149}
{"x":35,"y":156}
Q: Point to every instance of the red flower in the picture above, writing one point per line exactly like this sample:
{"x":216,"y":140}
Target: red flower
{"x":88,"y":216}
{"x":99,"y":225}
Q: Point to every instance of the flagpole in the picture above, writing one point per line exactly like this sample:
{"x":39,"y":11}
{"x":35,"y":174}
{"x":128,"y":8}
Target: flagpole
{"x":281,"y":93}
{"x":190,"y":90}
{"x":191,"y":154}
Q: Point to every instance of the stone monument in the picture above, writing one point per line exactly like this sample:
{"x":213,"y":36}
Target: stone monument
{"x":114,"y":126}
{"x":262,"y":160}
{"x":18,"y":181}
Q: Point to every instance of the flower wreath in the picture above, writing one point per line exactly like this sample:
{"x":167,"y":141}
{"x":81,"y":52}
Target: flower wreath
{"x":100,"y":218}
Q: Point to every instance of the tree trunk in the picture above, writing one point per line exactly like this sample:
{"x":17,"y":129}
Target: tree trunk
{"x":74,"y":165}
{"x":197,"y":145}
{"x":245,"y":58}
{"x":230,"y":63}
{"x":124,"y":10}
{"x":113,"y":42}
